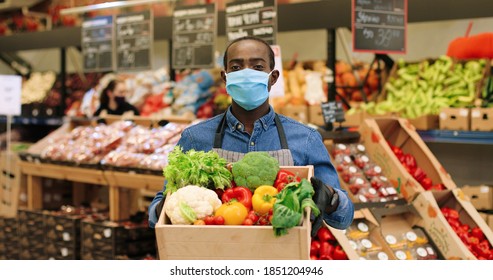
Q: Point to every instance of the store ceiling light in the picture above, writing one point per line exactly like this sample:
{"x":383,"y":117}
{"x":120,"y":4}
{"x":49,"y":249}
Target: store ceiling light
{"x":110,"y":5}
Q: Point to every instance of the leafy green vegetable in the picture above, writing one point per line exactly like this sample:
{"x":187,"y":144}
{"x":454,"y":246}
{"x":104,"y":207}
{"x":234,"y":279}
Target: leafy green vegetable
{"x":206,"y":169}
{"x":289,"y":206}
{"x":255,"y":169}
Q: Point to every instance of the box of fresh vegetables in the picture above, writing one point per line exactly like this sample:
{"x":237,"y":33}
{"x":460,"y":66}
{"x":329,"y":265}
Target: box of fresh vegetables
{"x":249,"y":209}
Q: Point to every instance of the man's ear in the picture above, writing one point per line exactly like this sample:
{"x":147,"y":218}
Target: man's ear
{"x":273,"y":77}
{"x":223,"y":76}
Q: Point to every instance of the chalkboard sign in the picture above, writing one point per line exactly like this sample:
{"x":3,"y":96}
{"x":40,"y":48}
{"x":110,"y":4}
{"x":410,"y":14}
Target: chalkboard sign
{"x":134,"y":37}
{"x":252,"y":18}
{"x":379,"y":26}
{"x":194,"y":36}
{"x":332,"y":112}
{"x":98,"y":44}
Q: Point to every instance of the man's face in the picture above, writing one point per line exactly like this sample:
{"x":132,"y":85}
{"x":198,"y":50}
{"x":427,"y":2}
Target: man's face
{"x":249,"y":54}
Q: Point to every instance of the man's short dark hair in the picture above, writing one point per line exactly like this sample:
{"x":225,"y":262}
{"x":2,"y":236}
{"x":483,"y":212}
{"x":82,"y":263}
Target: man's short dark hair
{"x":271,"y":52}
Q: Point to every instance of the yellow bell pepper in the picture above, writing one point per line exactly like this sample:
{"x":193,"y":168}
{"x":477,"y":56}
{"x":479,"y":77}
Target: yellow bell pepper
{"x":263,"y":199}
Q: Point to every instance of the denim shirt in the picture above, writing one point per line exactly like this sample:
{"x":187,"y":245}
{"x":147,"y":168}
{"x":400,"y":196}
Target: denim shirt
{"x":305,"y":143}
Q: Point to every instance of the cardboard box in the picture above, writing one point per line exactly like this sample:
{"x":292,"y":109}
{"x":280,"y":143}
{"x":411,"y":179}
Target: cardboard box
{"x":315,"y":115}
{"x":234,"y":242}
{"x":455,"y":119}
{"x":297,"y":112}
{"x":480,"y":196}
{"x":490,"y":221}
{"x":428,"y":205}
{"x":404,"y":236}
{"x":10,"y":184}
{"x":364,"y":231}
{"x":426,"y":122}
{"x":482,"y":119}
{"x":399,"y":132}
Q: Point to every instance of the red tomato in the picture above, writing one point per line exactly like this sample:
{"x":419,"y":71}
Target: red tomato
{"x":209,"y":220}
{"x":253,"y":216}
{"x":219,"y":220}
{"x":247,"y":222}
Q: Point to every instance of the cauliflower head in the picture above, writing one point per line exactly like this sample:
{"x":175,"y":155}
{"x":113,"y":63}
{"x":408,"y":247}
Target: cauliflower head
{"x":191,"y":203}
{"x":255,"y":169}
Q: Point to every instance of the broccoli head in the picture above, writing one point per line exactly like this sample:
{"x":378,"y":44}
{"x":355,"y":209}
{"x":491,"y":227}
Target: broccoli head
{"x":255,"y":169}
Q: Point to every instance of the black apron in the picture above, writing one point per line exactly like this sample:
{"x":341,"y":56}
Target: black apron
{"x":283,"y":155}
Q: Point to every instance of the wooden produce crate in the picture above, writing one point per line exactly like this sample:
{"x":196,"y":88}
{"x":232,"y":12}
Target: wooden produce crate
{"x":10,"y":184}
{"x":234,"y":242}
{"x":399,"y":132}
{"x":428,"y":205}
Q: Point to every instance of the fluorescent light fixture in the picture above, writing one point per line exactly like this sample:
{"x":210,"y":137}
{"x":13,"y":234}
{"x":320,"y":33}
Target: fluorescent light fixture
{"x":109,"y":5}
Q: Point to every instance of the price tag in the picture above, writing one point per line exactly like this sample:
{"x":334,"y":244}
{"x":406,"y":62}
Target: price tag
{"x":10,"y":95}
{"x":252,"y":18}
{"x":194,"y":36}
{"x":379,"y":26}
{"x":332,"y":112}
{"x":98,"y":44}
{"x":134,"y":37}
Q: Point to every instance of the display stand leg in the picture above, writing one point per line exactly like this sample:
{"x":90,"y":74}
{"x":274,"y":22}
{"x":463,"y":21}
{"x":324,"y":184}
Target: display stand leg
{"x":114,"y":203}
{"x":34,"y":192}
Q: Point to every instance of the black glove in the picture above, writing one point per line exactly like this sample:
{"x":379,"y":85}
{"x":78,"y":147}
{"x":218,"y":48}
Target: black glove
{"x":159,"y":208}
{"x":326,"y":199}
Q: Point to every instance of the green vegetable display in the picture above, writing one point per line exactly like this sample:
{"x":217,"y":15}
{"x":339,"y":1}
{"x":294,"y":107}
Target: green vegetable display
{"x":487,"y":94}
{"x":206,"y":169}
{"x":289,"y":206}
{"x":255,"y":169}
{"x":428,"y":86}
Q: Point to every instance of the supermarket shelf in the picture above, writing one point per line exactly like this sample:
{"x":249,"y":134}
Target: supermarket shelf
{"x":323,"y":15}
{"x":50,"y":121}
{"x":457,"y":136}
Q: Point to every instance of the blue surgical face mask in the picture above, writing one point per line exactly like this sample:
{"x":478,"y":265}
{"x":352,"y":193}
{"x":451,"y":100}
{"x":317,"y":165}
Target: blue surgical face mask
{"x":248,"y":87}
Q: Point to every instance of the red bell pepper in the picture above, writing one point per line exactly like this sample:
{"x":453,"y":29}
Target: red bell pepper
{"x":450,"y":213}
{"x":326,"y":250}
{"x":410,"y":161}
{"x":419,"y":174}
{"x":324,"y":234}
{"x":314,"y":247}
{"x":397,"y":151}
{"x":339,"y":254}
{"x":283,"y":178}
{"x":241,"y":194}
{"x":482,"y":249}
{"x":426,"y":183}
{"x":478,"y":233}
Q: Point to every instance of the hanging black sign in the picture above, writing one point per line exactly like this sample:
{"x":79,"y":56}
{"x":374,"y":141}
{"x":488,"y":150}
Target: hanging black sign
{"x":252,"y":18}
{"x":379,"y":26}
{"x":194,"y":36}
{"x":97,"y":44}
{"x":134,"y":38}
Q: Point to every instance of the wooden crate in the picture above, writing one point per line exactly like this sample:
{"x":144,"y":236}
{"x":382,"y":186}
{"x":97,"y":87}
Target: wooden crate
{"x":10,"y":182}
{"x":234,"y":242}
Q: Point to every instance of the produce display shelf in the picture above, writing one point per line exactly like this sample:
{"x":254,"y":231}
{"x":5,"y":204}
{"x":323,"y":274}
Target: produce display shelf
{"x":457,"y":136}
{"x":51,"y":121}
{"x":133,"y":180}
{"x":74,"y":174}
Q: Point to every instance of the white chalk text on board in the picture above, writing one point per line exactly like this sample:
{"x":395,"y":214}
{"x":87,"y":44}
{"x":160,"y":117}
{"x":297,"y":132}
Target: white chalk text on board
{"x":379,"y":26}
{"x":252,"y":18}
{"x":98,"y":44}
{"x":134,"y":36}
{"x":194,"y":36}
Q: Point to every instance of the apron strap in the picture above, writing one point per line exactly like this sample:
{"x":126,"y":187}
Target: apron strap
{"x":280,"y":131}
{"x":218,"y":137}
